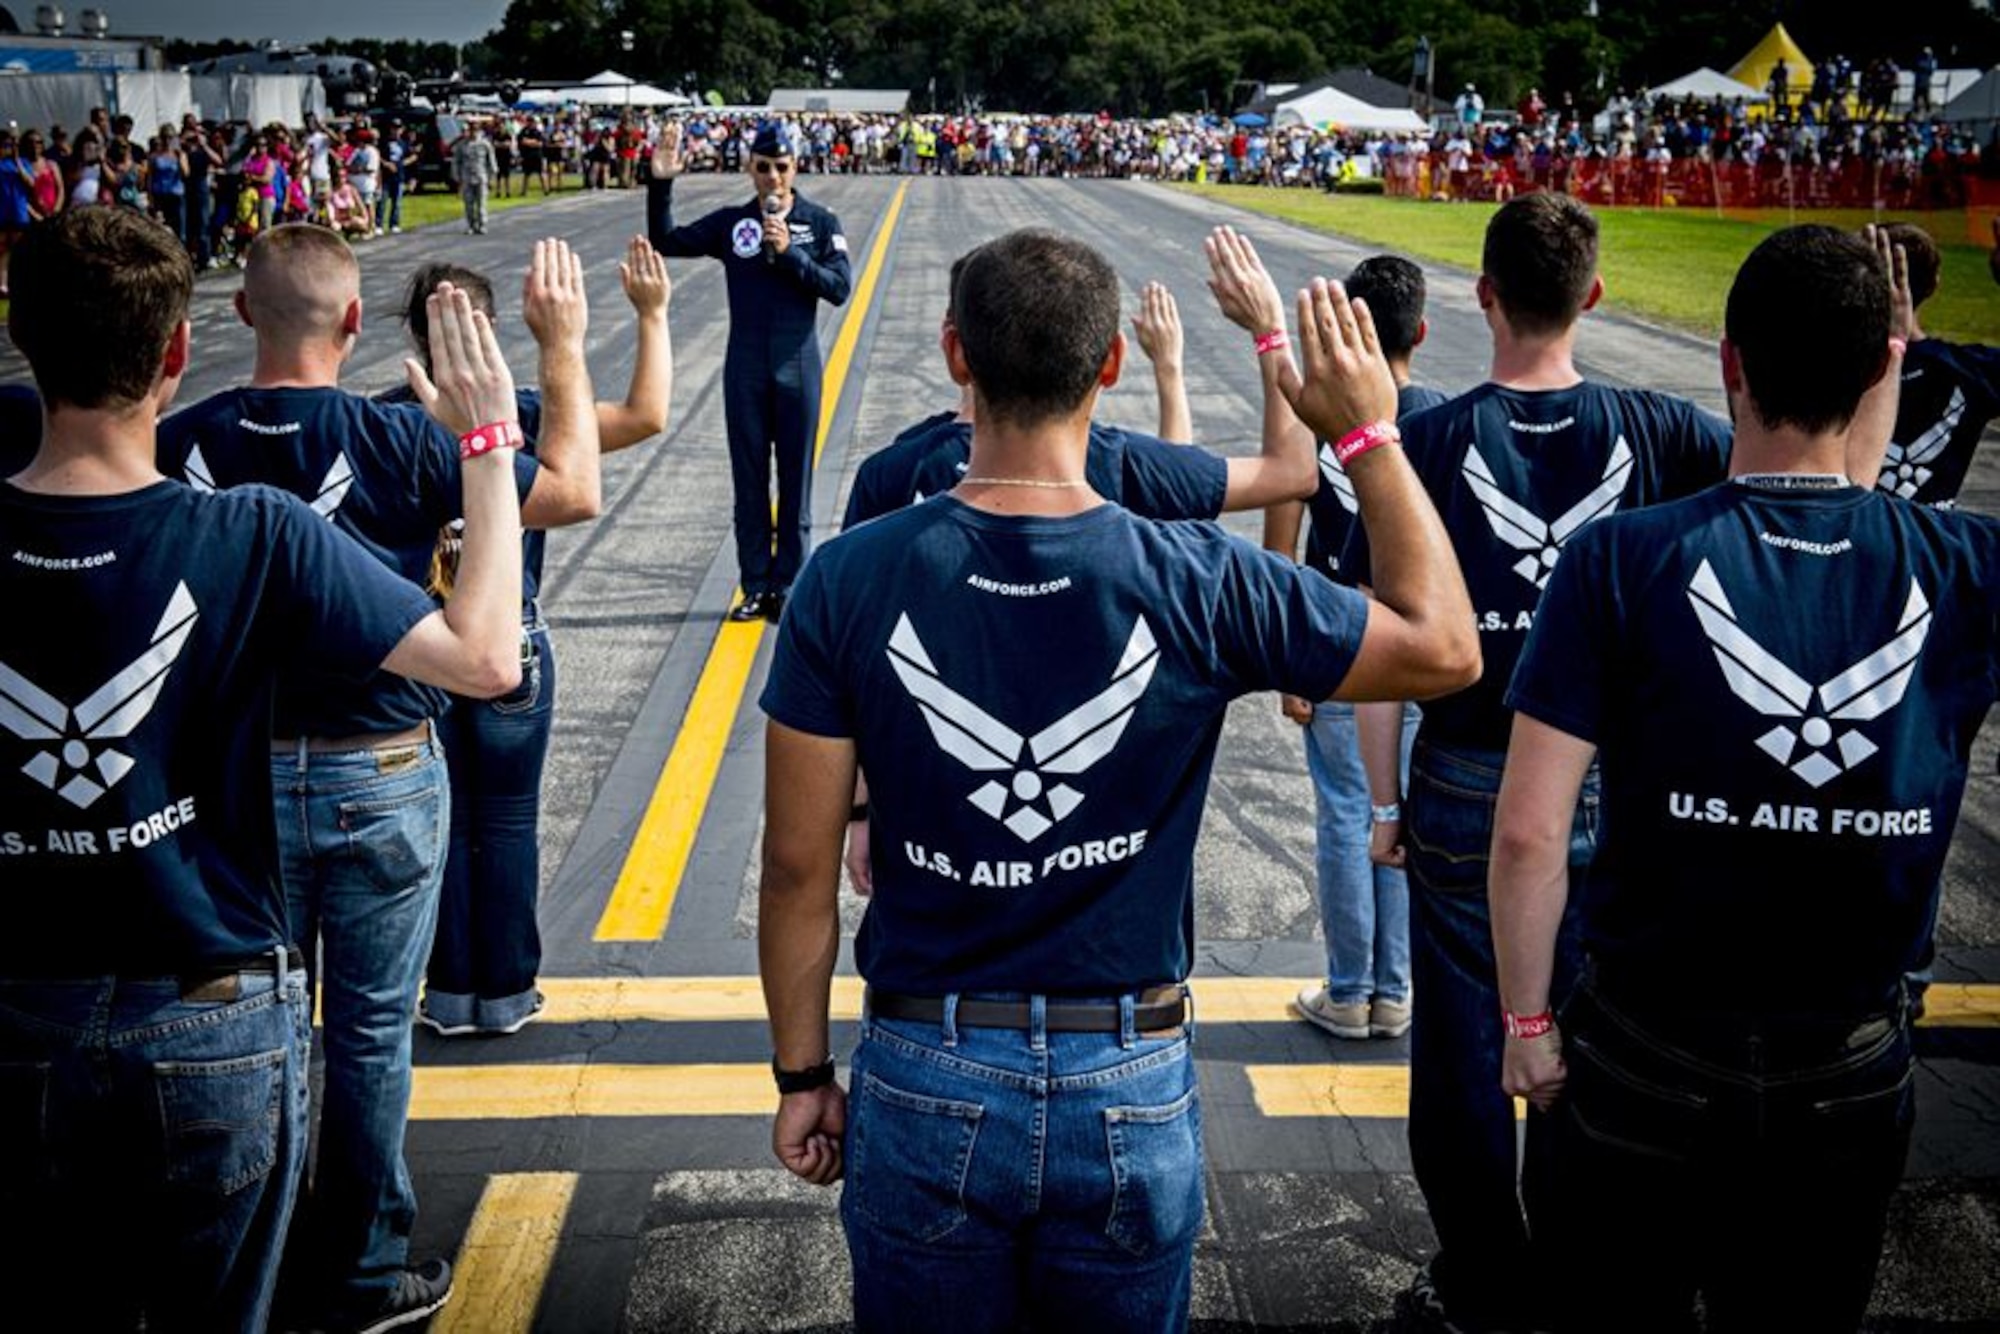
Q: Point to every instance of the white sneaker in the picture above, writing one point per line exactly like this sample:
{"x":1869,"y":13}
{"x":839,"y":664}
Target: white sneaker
{"x":442,"y":1029}
{"x":1388,"y":1018}
{"x":1343,"y":1021}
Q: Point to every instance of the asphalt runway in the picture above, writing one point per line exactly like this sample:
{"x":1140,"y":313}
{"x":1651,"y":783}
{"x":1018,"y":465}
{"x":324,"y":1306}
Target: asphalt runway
{"x":608,"y":1168}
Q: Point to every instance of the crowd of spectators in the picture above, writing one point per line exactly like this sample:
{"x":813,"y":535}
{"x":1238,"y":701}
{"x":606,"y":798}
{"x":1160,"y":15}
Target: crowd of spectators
{"x":1839,"y":142}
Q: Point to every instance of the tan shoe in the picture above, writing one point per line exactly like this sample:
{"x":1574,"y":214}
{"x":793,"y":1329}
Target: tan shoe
{"x":1343,"y":1021}
{"x":1388,"y":1018}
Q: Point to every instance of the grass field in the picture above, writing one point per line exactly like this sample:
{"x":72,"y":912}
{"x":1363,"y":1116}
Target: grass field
{"x":1673,"y":266}
{"x":433,"y":206}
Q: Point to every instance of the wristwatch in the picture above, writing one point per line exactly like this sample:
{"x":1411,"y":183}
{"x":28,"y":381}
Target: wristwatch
{"x":857,"y":812}
{"x":1386,"y":814}
{"x":802,"y":1081}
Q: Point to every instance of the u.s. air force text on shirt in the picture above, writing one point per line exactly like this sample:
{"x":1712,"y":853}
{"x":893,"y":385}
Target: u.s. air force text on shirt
{"x":1037,"y":764}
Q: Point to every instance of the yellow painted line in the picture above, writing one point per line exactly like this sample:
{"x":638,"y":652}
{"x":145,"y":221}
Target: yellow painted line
{"x":1961,"y":1005}
{"x":642,"y":899}
{"x":1380,"y":1092}
{"x":671,"y":1000}
{"x":520,"y":1092}
{"x":1217,"y":1000}
{"x":504,"y":1260}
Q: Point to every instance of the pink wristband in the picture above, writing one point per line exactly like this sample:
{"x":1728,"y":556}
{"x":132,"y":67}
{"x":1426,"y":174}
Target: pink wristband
{"x":1272,"y":341}
{"x":1364,"y":438}
{"x":1527,"y":1026}
{"x":487,"y":438}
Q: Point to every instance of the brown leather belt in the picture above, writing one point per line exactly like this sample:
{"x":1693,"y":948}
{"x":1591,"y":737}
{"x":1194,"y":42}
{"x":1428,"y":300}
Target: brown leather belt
{"x":1156,"y":1009}
{"x":320,"y":745}
{"x":223,"y":981}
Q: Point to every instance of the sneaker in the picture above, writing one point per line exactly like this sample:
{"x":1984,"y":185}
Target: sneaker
{"x":1388,"y":1018}
{"x":520,"y":1023}
{"x":417,"y":1293}
{"x":1343,"y":1021}
{"x":441,"y":1028}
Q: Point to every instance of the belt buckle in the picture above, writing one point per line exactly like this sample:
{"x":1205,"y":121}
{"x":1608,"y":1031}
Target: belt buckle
{"x":527,"y":652}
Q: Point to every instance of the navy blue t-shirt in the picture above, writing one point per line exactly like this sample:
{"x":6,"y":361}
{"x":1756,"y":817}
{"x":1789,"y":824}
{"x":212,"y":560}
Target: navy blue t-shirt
{"x":1147,"y":475}
{"x":1333,"y":508}
{"x":135,"y":715}
{"x":534,"y":542}
{"x":385,"y":474}
{"x":1950,"y":392}
{"x":887,"y":479}
{"x":1515,"y":474}
{"x":1036,"y":703}
{"x":1784,"y":688}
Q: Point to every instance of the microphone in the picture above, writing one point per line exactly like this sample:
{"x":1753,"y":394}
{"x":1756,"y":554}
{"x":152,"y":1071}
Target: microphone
{"x":773,"y":206}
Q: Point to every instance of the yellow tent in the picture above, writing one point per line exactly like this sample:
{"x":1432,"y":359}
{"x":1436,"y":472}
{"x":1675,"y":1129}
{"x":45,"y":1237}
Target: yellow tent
{"x":1755,"y":68}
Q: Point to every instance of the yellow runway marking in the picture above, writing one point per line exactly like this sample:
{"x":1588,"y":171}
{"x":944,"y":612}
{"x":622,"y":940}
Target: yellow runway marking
{"x":1961,"y":1005}
{"x":1217,"y":1000}
{"x":504,"y":1261}
{"x":642,"y":900}
{"x":1366,"y":1091}
{"x":520,"y":1092}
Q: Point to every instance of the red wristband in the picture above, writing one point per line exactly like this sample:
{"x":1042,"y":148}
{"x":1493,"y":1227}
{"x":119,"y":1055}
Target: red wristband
{"x":1273,"y":341}
{"x":487,"y":438}
{"x":1364,"y":438}
{"x":1526,"y":1026}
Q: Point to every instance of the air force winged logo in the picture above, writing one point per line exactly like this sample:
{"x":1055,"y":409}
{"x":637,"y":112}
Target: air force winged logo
{"x":1542,"y":539}
{"x":1865,"y":691}
{"x":333,"y":489}
{"x":1067,"y":747}
{"x":1337,"y":478}
{"x":75,"y":762}
{"x":1906,"y":469}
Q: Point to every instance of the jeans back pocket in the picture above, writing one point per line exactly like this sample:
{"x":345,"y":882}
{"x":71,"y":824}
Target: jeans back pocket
{"x":398,"y":842}
{"x":1156,"y":1173}
{"x":1448,"y":830}
{"x":221,"y":1119}
{"x":907,"y":1159}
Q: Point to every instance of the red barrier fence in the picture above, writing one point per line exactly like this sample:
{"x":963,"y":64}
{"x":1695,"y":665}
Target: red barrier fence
{"x":1691,"y":183}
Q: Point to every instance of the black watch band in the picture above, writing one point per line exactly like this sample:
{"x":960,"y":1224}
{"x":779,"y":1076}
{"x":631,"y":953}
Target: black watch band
{"x":857,"y":812}
{"x":803,"y":1081}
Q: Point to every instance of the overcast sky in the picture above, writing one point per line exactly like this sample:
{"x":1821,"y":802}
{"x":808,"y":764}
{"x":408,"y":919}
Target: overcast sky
{"x":288,"y":20}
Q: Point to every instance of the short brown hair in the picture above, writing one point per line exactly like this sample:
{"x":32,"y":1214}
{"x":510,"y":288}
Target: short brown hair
{"x":97,"y":295}
{"x":477,"y":287}
{"x":297,"y":281}
{"x":1541,"y":257}
{"x":1920,"y":252}
{"x":1036,"y":312}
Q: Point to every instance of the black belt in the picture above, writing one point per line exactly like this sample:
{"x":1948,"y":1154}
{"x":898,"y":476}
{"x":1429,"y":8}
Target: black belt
{"x":1159,"y":1008}
{"x":218,"y":981}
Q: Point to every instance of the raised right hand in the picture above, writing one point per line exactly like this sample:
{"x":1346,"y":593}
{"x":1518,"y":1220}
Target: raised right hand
{"x":1244,"y":290}
{"x":468,"y":385}
{"x":1347,"y":382}
{"x":667,"y":160}
{"x":552,"y":298}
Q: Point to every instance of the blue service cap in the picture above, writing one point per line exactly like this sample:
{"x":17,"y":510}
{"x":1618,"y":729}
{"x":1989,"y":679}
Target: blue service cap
{"x":774,"y":139}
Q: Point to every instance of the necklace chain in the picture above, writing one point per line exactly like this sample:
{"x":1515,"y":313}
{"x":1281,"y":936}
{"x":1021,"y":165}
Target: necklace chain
{"x":1037,"y":482}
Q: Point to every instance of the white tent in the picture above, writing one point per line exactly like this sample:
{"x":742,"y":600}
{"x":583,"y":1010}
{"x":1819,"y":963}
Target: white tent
{"x":608,"y":88}
{"x":1708,"y":84}
{"x":1976,"y":105}
{"x":1330,"y":106}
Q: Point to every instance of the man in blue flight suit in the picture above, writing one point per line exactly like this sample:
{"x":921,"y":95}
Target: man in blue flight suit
{"x":783,"y":254}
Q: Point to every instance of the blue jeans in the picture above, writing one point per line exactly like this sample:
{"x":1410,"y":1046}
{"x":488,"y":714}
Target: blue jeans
{"x":362,"y":837}
{"x":1363,"y":908}
{"x":1462,"y":1130}
{"x":488,"y":948}
{"x":1748,"y":1161}
{"x":150,"y":1148}
{"x":1011,"y":1177}
{"x":389,"y":204}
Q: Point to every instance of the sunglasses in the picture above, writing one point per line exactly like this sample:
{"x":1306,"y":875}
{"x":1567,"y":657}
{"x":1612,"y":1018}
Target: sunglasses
{"x":772,"y":168}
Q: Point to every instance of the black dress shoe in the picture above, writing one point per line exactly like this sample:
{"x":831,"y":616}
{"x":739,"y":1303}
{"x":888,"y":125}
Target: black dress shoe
{"x":753,"y":607}
{"x":774,"y":605}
